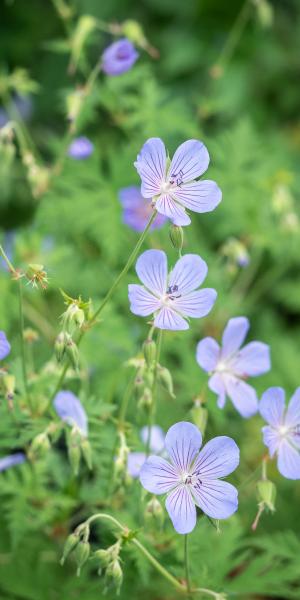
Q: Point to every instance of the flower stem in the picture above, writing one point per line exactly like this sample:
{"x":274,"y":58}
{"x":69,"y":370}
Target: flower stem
{"x":234,"y":35}
{"x":186,"y":563}
{"x":152,"y":412}
{"x":23,"y":354}
{"x":109,"y":294}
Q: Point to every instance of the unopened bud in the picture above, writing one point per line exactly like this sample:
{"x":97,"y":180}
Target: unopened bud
{"x":146,"y":399}
{"x":9,"y":382}
{"x":73,"y":316}
{"x":149,"y":350}
{"x":199,"y":415}
{"x":72,"y":353}
{"x":176,"y":236}
{"x":74,"y":450}
{"x":266,"y":492}
{"x":134,"y":32}
{"x":82,"y":552}
{"x":103,"y":556}
{"x":154,"y":514}
{"x":70,"y":544}
{"x":165,"y":378}
{"x":114,"y":575}
{"x":40,"y":445}
{"x":86,"y":452}
{"x":60,"y":345}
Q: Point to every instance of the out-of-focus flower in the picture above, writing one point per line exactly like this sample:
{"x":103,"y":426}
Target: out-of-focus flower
{"x":282,"y":434}
{"x":173,"y":188}
{"x":4,"y":346}
{"x":174,"y":297}
{"x":236,"y":253}
{"x":192,"y":477}
{"x":70,"y":410}
{"x":137,"y":210}
{"x":12,"y":460}
{"x":22,"y":105}
{"x":119,"y":57}
{"x":81,"y":148}
{"x":135,"y":460}
{"x":230,"y":365}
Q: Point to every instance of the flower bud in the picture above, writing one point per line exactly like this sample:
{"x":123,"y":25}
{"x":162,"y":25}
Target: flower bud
{"x":82,"y":552}
{"x":176,"y":236}
{"x":73,"y":316}
{"x":133,"y":31}
{"x":114,"y":575}
{"x":154,"y":514}
{"x":149,"y":350}
{"x":60,"y":345}
{"x":40,"y":445}
{"x":72,"y":353}
{"x":265,"y":13}
{"x":146,"y":399}
{"x":86,"y":452}
{"x":9,"y":382}
{"x":74,"y":450}
{"x":266,"y":492}
{"x":199,"y":415}
{"x":103,"y":556}
{"x":165,"y":378}
{"x":70,"y":544}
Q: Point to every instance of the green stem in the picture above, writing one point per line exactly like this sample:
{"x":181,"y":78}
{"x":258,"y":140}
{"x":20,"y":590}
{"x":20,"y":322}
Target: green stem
{"x":125,"y":402}
{"x":23,"y":355}
{"x":109,"y":294}
{"x":234,"y":35}
{"x":186,"y":563}
{"x":9,"y":264}
{"x":152,"y":412}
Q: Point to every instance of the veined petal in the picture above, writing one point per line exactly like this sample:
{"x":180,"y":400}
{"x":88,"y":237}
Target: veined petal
{"x":70,"y":410}
{"x":167,"y":318}
{"x":135,"y":461}
{"x":288,"y":461}
{"x":196,"y":304}
{"x":199,"y":196}
{"x":272,"y":405}
{"x":152,"y":270}
{"x":234,"y":335}
{"x":157,"y":438}
{"x":252,"y":360}
{"x":292,"y":418}
{"x":182,"y":443}
{"x":190,"y":160}
{"x":242,"y":395}
{"x":158,"y":476}
{"x":271,"y":439}
{"x":207,"y":354}
{"x":216,"y":384}
{"x":181,"y":508}
{"x":217,"y":499}
{"x":167,"y":206}
{"x":142,"y":303}
{"x":151,"y":166}
{"x":188,"y":273}
{"x":219,"y":457}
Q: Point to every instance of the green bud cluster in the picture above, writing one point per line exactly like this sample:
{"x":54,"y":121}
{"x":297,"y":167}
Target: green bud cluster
{"x":110,"y":565}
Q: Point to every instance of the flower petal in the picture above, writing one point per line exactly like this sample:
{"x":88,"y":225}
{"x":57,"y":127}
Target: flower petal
{"x":272,"y":405}
{"x":219,"y":457}
{"x":271,"y":439}
{"x":70,"y":410}
{"x":292,"y":418}
{"x":196,"y":304}
{"x":181,"y":509}
{"x":242,"y":395}
{"x":142,"y":303}
{"x":190,"y":160}
{"x":188,"y":273}
{"x":234,"y":335}
{"x":199,"y":196}
{"x":216,"y":384}
{"x":4,"y":345}
{"x":135,"y":461}
{"x":207,"y":354}
{"x":157,"y":438}
{"x":167,"y":206}
{"x":288,"y":461}
{"x":11,"y":460}
{"x":182,"y":443}
{"x":252,"y":360}
{"x":152,"y":270}
{"x":158,"y":476}
{"x":217,"y":499}
{"x":151,"y":167}
{"x":167,"y":318}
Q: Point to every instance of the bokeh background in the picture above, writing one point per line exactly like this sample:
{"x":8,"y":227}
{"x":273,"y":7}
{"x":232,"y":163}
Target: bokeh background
{"x":226,"y":73}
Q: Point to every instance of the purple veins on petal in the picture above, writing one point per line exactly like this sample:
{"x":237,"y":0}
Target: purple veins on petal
{"x":71,"y":411}
{"x":181,"y":509}
{"x":218,"y":458}
{"x":218,"y":499}
{"x":119,"y":57}
{"x":183,"y":441}
{"x":4,"y":346}
{"x":152,"y":269}
{"x":137,"y":210}
{"x":234,"y":335}
{"x":81,"y":148}
{"x":208,"y":353}
{"x":190,"y":160}
{"x":158,"y":476}
{"x":12,"y":460}
{"x":151,"y":166}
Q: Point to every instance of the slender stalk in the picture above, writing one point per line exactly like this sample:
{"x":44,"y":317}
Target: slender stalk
{"x":186,"y":563}
{"x":11,"y":268}
{"x":234,"y":35}
{"x":125,"y":402}
{"x":109,"y":294}
{"x":152,"y":412}
{"x":23,"y":354}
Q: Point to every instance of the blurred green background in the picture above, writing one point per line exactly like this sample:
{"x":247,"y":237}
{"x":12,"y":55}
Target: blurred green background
{"x":228,"y":74}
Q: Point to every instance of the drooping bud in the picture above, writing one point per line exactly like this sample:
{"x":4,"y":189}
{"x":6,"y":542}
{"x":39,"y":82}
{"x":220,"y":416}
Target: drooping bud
{"x":74,"y":449}
{"x":146,"y":400}
{"x":82,"y":552}
{"x":114,"y":576}
{"x":121,"y":457}
{"x":40,"y":445}
{"x":199,"y":415}
{"x":60,"y":345}
{"x":72,"y":353}
{"x":165,"y":378}
{"x":134,"y":32}
{"x":176,"y":236}
{"x":266,"y":492}
{"x":149,"y":350}
{"x":74,"y":103}
{"x":71,"y":542}
{"x":85,"y":25}
{"x":73,"y":316}
{"x":154,"y":514}
{"x":103,"y":556}
{"x":86,"y":452}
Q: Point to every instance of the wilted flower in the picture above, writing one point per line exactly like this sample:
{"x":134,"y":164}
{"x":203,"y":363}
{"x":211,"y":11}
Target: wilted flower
{"x":174,"y":297}
{"x":137,"y":210}
{"x":81,"y":148}
{"x":4,"y":346}
{"x":282,"y":434}
{"x":192,"y":477}
{"x":70,"y":410}
{"x":135,"y":460}
{"x":173,"y":187}
{"x":12,"y":460}
{"x":119,"y":57}
{"x":229,"y":366}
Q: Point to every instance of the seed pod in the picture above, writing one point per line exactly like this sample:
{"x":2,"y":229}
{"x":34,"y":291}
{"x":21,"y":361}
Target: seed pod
{"x":82,"y":552}
{"x":266,"y":492}
{"x":176,"y":236}
{"x":70,"y":544}
{"x":149,"y":350}
{"x":154,"y":514}
{"x":165,"y":378}
{"x":73,"y":353}
{"x":114,"y":575}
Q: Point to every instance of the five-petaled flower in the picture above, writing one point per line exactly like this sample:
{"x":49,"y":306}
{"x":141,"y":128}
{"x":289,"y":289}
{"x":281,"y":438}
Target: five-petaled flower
{"x":81,"y":148}
{"x":135,"y":460}
{"x":282,"y":434}
{"x":230,"y":365}
{"x":71,"y":411}
{"x":137,"y":210}
{"x":191,"y":478}
{"x":119,"y":57}
{"x":173,"y":187}
{"x":4,"y":346}
{"x":174,"y":297}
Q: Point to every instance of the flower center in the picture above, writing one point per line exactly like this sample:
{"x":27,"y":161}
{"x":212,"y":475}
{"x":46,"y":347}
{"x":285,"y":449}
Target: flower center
{"x":189,"y":479}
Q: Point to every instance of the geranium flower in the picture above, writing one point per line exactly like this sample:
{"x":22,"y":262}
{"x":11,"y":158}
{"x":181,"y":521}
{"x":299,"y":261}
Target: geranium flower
{"x":230,"y":365}
{"x":4,"y":346}
{"x":135,"y":460}
{"x":191,"y":478}
{"x":71,"y":411}
{"x":119,"y":57}
{"x":81,"y":148}
{"x":12,"y":460}
{"x":171,"y":298}
{"x":173,"y":187}
{"x":137,"y":210}
{"x":282,"y":434}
